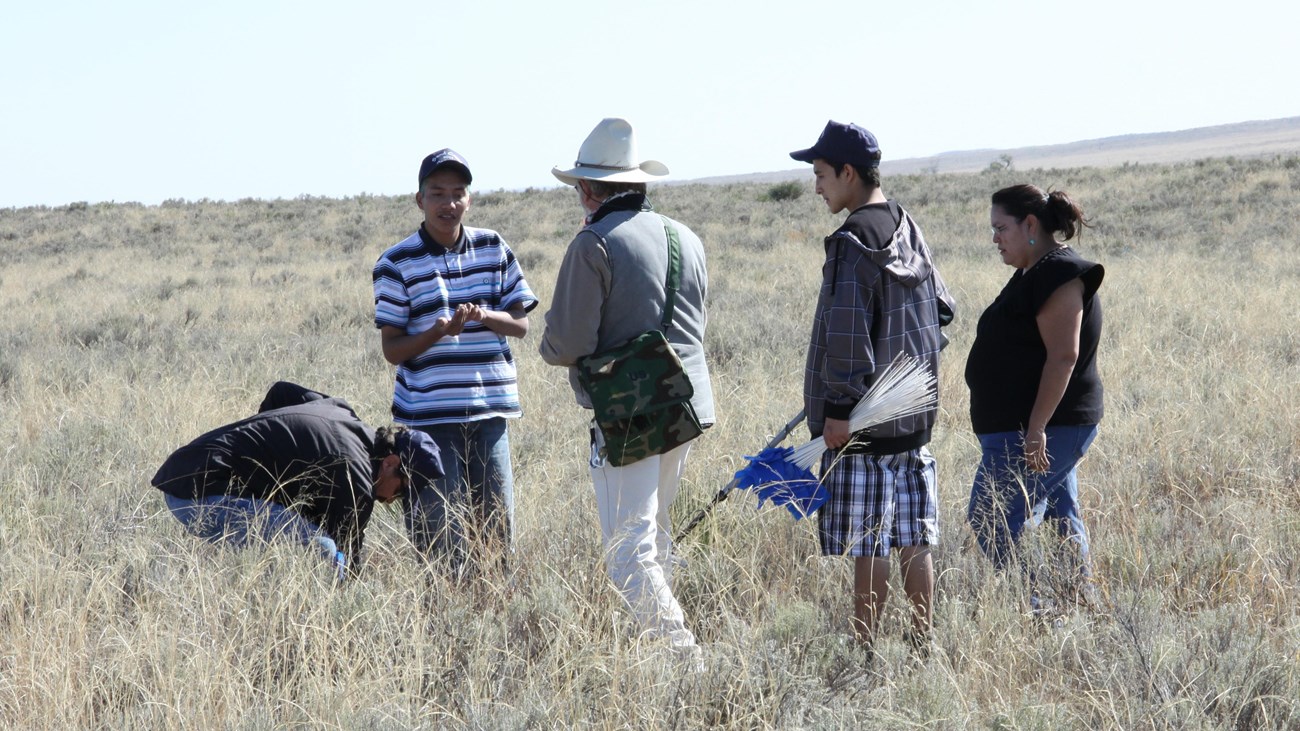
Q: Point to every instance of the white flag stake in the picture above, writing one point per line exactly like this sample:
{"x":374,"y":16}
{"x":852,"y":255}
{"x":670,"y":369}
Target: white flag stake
{"x":904,"y":389}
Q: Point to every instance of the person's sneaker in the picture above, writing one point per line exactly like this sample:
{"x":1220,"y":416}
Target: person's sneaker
{"x":1046,"y":612}
{"x":691,"y":658}
{"x":1040,"y":606}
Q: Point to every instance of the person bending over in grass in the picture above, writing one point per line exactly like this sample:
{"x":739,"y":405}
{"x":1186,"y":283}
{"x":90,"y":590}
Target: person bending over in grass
{"x":304,"y":468}
{"x":881,"y":296}
{"x":447,"y":297}
{"x":1035,"y":393}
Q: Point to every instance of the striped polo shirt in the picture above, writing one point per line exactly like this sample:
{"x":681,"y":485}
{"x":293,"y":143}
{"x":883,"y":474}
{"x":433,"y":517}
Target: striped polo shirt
{"x":467,"y":377}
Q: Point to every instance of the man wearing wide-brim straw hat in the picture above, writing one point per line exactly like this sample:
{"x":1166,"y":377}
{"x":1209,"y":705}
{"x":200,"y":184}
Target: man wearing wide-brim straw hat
{"x":610,"y":289}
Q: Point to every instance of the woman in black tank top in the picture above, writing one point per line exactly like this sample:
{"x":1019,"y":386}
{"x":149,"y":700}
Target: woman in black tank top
{"x":1036,"y":396}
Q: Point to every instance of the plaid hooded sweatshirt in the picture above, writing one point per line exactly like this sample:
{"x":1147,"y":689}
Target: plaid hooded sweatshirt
{"x":880,"y":297}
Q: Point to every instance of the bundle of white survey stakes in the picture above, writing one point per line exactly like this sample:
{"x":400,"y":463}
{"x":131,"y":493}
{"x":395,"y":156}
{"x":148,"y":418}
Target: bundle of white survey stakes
{"x":783,"y":475}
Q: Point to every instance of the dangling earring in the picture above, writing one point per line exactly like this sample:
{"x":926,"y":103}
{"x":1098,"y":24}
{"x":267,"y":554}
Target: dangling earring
{"x":1031,"y":242}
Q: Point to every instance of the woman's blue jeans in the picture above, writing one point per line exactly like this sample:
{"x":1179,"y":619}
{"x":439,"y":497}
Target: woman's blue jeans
{"x":1006,"y":495}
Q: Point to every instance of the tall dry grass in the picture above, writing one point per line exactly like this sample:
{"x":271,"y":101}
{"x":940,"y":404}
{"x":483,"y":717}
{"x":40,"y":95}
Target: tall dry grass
{"x":127,"y":330}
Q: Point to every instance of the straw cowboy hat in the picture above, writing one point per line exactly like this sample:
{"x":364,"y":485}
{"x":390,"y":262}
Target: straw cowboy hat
{"x":609,"y":154}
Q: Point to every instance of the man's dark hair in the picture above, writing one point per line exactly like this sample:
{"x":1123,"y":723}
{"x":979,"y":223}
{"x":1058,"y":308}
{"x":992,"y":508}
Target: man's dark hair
{"x":385,"y":443}
{"x":870,"y":175}
{"x":602,"y":189}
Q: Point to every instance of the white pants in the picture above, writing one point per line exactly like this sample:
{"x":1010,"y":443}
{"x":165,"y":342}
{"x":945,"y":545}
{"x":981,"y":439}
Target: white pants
{"x":633,"y":502}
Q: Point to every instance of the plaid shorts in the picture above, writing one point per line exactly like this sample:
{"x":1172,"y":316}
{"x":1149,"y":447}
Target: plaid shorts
{"x":878,"y":502}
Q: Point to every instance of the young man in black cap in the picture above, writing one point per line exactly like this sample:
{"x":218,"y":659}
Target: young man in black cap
{"x":446,"y":299}
{"x":881,"y":295}
{"x":303,"y":468}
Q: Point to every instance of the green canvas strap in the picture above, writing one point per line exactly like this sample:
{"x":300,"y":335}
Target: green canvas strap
{"x":674,"y":273}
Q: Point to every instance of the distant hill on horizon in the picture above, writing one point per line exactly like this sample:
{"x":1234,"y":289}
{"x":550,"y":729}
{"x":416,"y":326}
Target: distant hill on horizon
{"x":1243,"y":139}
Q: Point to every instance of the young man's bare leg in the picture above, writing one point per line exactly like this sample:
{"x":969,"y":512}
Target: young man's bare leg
{"x":918,"y":581}
{"x":870,"y":590}
{"x":917,"y":566}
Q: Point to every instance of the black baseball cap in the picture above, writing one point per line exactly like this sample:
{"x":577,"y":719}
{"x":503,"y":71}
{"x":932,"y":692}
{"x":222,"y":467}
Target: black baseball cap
{"x":843,"y":143}
{"x":444,"y":158}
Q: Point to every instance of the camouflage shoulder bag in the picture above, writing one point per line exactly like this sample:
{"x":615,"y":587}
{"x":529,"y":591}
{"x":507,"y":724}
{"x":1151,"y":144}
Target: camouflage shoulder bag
{"x":639,"y":391}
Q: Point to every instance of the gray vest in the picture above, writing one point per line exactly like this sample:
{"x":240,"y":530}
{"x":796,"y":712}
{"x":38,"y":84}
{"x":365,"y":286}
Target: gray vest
{"x":637,"y":248}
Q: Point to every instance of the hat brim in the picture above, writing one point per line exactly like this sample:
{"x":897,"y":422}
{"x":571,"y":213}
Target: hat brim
{"x":644,"y":173}
{"x":421,"y":459}
{"x":809,"y":155}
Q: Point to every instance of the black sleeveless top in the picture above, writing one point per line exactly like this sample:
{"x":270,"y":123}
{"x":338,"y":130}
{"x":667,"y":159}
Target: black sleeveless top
{"x":1006,"y":360}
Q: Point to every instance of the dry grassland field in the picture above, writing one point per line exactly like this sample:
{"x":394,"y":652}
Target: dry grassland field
{"x":127,"y":330}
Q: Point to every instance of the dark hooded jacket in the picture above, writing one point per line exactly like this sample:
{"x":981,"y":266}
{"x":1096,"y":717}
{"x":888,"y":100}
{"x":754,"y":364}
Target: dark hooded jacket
{"x":881,"y":296}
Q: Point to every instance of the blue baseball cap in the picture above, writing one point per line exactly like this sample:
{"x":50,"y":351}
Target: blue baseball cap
{"x":443,"y":158}
{"x":843,"y":143}
{"x":420,"y":458}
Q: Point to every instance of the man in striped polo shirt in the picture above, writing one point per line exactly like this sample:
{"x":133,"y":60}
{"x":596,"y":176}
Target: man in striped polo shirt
{"x":446,"y":299}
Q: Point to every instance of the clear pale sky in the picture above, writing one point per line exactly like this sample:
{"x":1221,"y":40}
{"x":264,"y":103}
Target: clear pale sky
{"x":144,"y":100}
